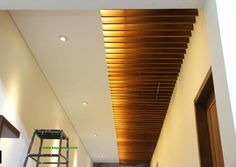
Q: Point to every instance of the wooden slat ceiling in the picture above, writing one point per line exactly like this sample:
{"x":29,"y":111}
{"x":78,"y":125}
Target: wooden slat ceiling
{"x":144,"y":53}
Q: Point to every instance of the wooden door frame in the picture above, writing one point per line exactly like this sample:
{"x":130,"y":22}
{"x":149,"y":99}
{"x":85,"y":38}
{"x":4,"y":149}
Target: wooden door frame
{"x":206,"y":89}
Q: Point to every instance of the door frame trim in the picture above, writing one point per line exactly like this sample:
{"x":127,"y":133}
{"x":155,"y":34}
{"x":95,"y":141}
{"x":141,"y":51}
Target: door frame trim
{"x":200,"y":101}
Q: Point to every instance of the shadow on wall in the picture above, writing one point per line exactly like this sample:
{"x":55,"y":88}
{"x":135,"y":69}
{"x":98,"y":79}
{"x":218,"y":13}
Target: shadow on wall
{"x":118,"y":165}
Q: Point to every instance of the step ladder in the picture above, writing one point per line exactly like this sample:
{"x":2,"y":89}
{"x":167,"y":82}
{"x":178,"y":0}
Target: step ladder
{"x":49,"y":134}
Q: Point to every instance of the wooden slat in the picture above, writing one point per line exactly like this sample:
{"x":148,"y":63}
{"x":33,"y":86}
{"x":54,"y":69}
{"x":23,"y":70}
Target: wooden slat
{"x":146,"y":19}
{"x":153,"y":80}
{"x":140,"y":146}
{"x":146,"y":39}
{"x":144,"y":56}
{"x":143,"y":61}
{"x":150,"y":12}
{"x":139,"y":88}
{"x":140,"y":101}
{"x":151,"y":32}
{"x":117,"y":92}
{"x":141,"y":91}
{"x":140,"y":84}
{"x":137,"y":85}
{"x":146,"y":66}
{"x":145,"y":73}
{"x":144,"y":52}
{"x":153,"y":45}
{"x":156,"y":113}
{"x":131,"y":27}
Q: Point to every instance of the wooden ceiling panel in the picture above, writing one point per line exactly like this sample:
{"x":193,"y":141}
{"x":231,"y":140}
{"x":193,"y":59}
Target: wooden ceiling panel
{"x":146,"y":39}
{"x":150,"y":12}
{"x":148,"y":19}
{"x":144,"y":52}
{"x":145,"y":45}
{"x":139,"y":27}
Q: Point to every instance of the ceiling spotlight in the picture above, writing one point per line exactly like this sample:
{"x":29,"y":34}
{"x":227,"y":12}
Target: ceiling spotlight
{"x":102,"y":156}
{"x":62,"y":38}
{"x":95,"y":135}
{"x":85,"y":103}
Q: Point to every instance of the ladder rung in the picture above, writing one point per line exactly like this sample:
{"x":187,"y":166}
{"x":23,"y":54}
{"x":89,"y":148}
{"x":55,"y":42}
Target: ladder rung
{"x":43,"y":155}
{"x":53,"y":162}
{"x":47,"y":155}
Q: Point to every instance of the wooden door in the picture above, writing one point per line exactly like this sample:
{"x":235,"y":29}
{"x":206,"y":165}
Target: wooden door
{"x":208,"y":133}
{"x":214,"y":133}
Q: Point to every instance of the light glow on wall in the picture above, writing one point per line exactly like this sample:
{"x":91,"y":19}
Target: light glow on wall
{"x":75,"y":160}
{"x":9,"y":99}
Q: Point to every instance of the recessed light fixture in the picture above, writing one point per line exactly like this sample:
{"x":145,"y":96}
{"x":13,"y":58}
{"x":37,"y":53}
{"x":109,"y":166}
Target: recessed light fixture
{"x":102,"y":156}
{"x":63,"y":38}
{"x":95,"y":135}
{"x":85,"y":103}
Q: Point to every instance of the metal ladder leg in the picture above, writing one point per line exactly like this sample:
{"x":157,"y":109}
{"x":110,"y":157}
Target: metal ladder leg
{"x":40,"y":150}
{"x":67,"y":152}
{"x":29,"y":149}
{"x":59,"y":152}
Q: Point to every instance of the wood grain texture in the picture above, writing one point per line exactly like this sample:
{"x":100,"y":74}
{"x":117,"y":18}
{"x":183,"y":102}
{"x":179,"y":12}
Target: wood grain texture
{"x":210,"y":149}
{"x":144,"y":52}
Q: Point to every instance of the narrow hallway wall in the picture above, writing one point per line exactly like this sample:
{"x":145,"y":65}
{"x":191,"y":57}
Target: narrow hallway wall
{"x":177,"y":144}
{"x":221,"y":36}
{"x":27,"y":100}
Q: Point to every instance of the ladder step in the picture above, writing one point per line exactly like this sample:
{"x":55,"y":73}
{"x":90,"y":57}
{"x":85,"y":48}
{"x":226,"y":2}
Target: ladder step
{"x":50,"y":134}
{"x":43,"y":155}
{"x":53,"y":162}
{"x":46,"y":155}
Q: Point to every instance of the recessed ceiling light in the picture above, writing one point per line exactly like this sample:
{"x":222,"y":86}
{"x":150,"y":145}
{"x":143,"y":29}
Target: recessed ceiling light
{"x":95,"y":135}
{"x":62,"y":38}
{"x":102,"y":156}
{"x":85,"y":103}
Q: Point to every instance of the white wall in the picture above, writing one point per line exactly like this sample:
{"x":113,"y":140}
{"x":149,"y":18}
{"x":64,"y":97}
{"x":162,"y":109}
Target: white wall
{"x":27,"y":100}
{"x":220,"y":16}
{"x":177,"y":144}
{"x":227,"y":15}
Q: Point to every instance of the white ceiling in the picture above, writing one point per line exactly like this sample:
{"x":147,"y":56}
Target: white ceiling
{"x":76,"y":70}
{"x":99,"y":4}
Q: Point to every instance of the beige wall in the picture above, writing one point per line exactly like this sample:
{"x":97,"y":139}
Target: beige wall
{"x":27,"y":100}
{"x":177,"y":145}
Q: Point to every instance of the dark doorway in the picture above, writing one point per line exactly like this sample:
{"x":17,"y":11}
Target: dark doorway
{"x":207,"y":125}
